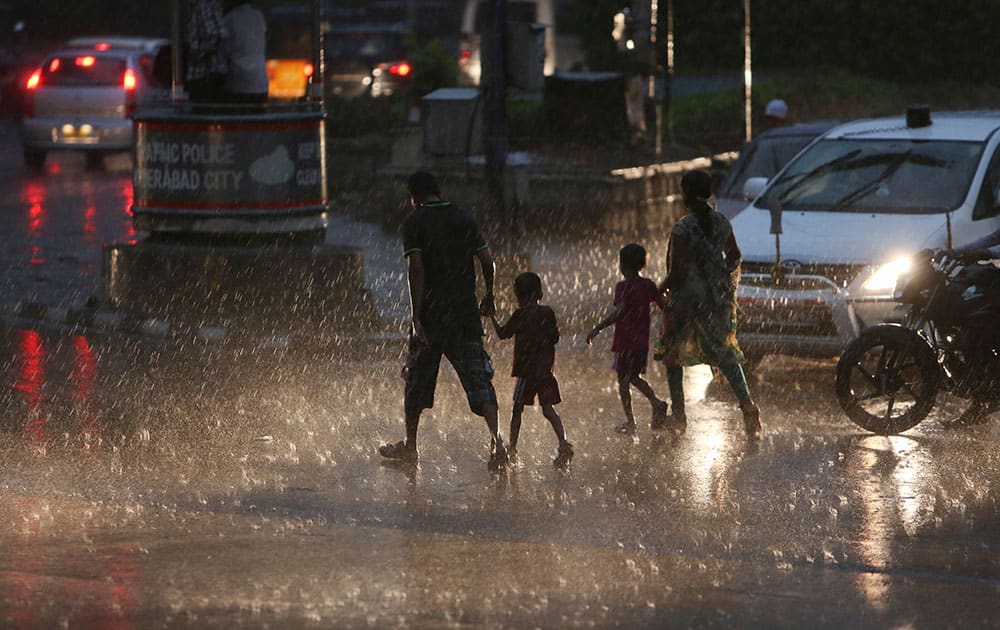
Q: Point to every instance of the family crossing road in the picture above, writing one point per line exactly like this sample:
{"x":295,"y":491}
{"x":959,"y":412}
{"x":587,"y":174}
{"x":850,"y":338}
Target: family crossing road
{"x":441,"y":243}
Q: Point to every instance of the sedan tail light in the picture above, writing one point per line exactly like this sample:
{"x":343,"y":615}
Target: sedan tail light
{"x":34,"y":80}
{"x":129,"y":83}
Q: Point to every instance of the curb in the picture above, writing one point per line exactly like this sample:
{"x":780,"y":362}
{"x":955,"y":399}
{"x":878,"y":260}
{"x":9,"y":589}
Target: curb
{"x":108,"y":320}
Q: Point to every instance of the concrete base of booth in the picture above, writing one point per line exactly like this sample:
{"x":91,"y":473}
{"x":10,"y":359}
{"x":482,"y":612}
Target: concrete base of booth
{"x":267,"y":288}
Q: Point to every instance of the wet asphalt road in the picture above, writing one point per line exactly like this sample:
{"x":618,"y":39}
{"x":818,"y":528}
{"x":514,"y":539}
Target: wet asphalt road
{"x":150,"y":484}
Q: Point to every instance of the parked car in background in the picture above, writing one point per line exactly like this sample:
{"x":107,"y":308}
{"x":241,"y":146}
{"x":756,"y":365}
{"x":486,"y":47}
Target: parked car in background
{"x":854,"y":207}
{"x":366,"y":60}
{"x":764,"y":156}
{"x":82,"y":96}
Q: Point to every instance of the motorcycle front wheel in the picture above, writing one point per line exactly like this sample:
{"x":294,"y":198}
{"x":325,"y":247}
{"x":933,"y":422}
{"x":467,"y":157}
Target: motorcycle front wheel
{"x":887,"y":380}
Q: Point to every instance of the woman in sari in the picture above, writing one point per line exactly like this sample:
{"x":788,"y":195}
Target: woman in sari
{"x":699,"y":325}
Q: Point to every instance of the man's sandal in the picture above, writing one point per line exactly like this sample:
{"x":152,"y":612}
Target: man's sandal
{"x":398,"y":451}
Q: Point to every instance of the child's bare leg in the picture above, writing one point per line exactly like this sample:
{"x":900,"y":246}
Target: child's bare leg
{"x":515,"y":423}
{"x":626,"y":395}
{"x":646,"y":390}
{"x":565,"y":454}
{"x":550,"y":413}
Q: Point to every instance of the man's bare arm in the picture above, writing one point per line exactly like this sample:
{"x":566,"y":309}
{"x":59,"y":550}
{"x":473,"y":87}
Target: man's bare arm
{"x":415,"y":276}
{"x":488,"y":305}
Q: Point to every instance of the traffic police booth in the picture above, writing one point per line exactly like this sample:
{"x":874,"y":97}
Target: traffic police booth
{"x":234,"y":201}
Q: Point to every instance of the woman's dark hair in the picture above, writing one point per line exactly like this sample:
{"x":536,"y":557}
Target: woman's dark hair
{"x":633,"y":256}
{"x":696,"y":186}
{"x":528,"y":285}
{"x":422,"y":185}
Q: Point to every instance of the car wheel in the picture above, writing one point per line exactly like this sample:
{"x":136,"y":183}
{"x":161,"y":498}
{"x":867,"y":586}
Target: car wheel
{"x":34,"y":159}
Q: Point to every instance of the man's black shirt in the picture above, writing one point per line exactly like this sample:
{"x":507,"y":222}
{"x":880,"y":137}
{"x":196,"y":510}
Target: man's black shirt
{"x":447,"y":239}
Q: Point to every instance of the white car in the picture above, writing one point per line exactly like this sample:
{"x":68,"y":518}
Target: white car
{"x":82,"y":96}
{"x":853,"y":208}
{"x":763,"y":157}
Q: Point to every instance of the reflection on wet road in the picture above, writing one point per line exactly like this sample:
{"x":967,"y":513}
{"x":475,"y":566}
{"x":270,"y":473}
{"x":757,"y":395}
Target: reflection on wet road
{"x":126,"y":465}
{"x":56,"y":222}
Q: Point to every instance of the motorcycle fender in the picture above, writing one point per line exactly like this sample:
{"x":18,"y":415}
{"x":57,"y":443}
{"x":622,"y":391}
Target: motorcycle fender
{"x":903,"y":334}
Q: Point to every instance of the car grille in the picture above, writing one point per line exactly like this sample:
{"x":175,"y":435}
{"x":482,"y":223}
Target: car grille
{"x":841,"y":275}
{"x":772,"y":317}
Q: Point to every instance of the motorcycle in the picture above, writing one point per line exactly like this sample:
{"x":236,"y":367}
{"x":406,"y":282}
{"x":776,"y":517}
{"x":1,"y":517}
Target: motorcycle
{"x":889,"y":377}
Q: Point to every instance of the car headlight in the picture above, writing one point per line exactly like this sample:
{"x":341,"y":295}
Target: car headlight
{"x":885,"y":276}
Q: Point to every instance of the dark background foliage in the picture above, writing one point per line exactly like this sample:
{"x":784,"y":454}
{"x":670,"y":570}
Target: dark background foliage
{"x":894,"y":39}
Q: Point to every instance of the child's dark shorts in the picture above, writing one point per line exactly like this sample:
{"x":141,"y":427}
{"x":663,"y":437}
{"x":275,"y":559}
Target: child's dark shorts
{"x":546,"y":388}
{"x":630,"y":362}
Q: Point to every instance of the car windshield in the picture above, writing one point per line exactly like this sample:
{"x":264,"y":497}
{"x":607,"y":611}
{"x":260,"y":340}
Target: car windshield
{"x":763,"y":157}
{"x":894,"y":176}
{"x":83,"y":70}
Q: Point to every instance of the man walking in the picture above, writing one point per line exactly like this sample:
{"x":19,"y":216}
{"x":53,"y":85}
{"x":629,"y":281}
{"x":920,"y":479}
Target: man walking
{"x":441,"y":242}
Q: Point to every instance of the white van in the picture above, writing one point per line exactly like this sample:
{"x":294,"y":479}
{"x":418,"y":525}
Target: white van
{"x":852,"y":209}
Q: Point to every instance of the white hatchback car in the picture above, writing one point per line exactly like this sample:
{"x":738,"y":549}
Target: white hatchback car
{"x":852,"y":209}
{"x":82,"y":96}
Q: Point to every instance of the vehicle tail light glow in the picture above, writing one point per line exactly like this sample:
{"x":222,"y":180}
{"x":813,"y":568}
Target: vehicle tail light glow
{"x":402,"y":69}
{"x":308,"y":69}
{"x":54,"y":64}
{"x":85,"y":62}
{"x":102,"y":46}
{"x":128,"y":79}
{"x":129,"y":83}
{"x":34,"y":80}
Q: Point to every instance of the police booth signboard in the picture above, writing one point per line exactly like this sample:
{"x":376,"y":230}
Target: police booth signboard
{"x":243,"y":174}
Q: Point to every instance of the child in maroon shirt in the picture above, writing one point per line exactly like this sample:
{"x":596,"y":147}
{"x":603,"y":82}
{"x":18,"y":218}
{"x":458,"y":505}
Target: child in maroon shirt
{"x":630,"y":315}
{"x":535,"y":333}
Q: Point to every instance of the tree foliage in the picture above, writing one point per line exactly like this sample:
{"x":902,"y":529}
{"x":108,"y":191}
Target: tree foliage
{"x":897,"y":39}
{"x":433,"y":67}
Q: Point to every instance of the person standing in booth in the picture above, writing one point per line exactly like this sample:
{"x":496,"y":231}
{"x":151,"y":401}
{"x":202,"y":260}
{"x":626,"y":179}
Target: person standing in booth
{"x":206,"y":60}
{"x":246,"y":53}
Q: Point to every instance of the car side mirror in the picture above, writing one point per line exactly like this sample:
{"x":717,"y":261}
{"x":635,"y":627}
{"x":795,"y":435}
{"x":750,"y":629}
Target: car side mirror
{"x":753,"y":187}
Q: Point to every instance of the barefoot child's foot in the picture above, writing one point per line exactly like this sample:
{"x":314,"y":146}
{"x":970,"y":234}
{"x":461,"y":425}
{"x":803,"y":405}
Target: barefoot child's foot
{"x":565,"y":455}
{"x":498,"y":459}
